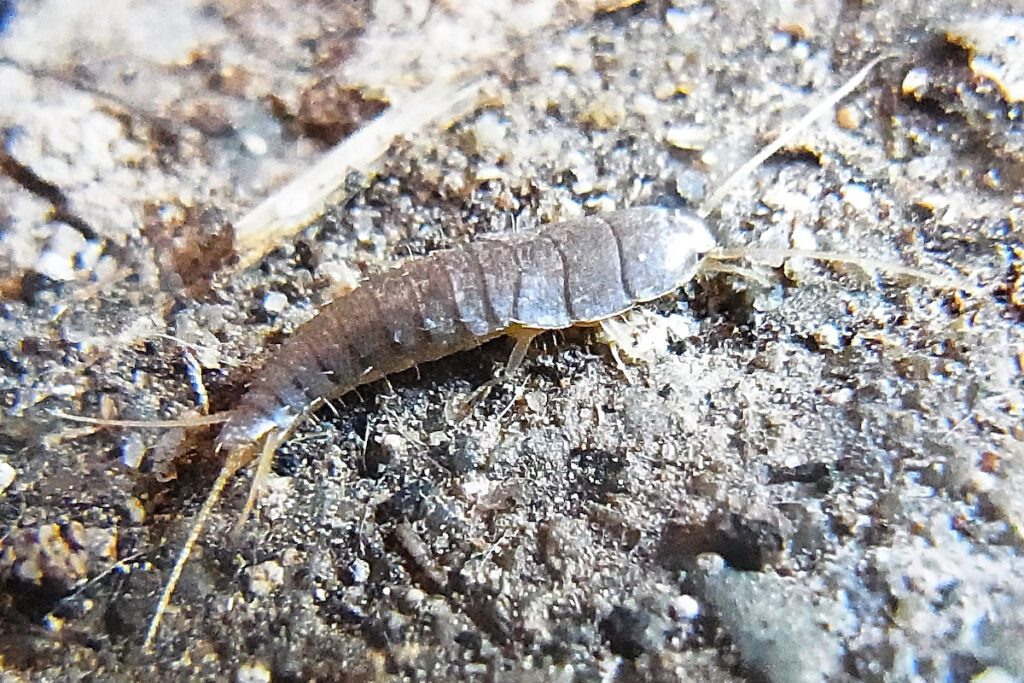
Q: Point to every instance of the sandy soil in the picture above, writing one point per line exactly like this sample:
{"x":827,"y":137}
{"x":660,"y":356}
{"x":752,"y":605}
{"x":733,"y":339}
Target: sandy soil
{"x":814,"y":473}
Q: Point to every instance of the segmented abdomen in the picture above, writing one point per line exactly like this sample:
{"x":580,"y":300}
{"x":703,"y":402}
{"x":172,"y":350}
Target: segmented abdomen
{"x":563,"y":274}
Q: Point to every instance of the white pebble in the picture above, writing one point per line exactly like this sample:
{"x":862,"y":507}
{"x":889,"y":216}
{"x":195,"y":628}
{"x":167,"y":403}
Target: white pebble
{"x":274,"y":302}
{"x":840,"y":397}
{"x":681,"y":21}
{"x":66,"y":240}
{"x":600,"y":204}
{"x":789,"y":201}
{"x":7,"y":475}
{"x":476,"y":486}
{"x":58,"y":261}
{"x":536,"y":401}
{"x":676,"y":20}
{"x":394,"y":445}
{"x":253,"y":672}
{"x":645,"y":105}
{"x":856,"y":196}
{"x":265,"y":577}
{"x":413,"y":598}
{"x":133,"y":449}
{"x":804,"y":238}
{"x":136,"y":510}
{"x":583,"y":171}
{"x":827,"y":336}
{"x":779,"y":41}
{"x":915,"y":82}
{"x":56,"y":266}
{"x":343,"y":277}
{"x":687,"y":137}
{"x":489,"y":133}
{"x":359,"y":571}
{"x":685,"y":607}
{"x":254,"y":144}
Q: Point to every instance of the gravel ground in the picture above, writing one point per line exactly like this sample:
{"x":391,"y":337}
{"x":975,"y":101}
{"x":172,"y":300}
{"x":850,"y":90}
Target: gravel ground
{"x":809,"y":472}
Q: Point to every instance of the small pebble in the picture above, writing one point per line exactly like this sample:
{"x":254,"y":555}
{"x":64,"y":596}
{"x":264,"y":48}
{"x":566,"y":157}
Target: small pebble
{"x":645,"y":105}
{"x":915,"y":83}
{"x":359,"y":571}
{"x":253,"y":672}
{"x":254,"y":144}
{"x":474,"y":486}
{"x":394,"y":445}
{"x":488,"y":172}
{"x":804,"y":238}
{"x":488,"y":135}
{"x":856,"y":196}
{"x":827,"y":336}
{"x":600,"y":204}
{"x":536,"y":401}
{"x":840,"y":397}
{"x":687,"y":137}
{"x":53,"y":623}
{"x":682,"y":21}
{"x":932,"y":203}
{"x":584,"y":172}
{"x":58,"y":261}
{"x":343,"y":277}
{"x":413,"y":598}
{"x":136,"y":510}
{"x":56,"y":266}
{"x":992,"y":179}
{"x":265,"y":577}
{"x":779,"y":41}
{"x":848,"y":117}
{"x":664,"y":90}
{"x":274,"y":302}
{"x":690,"y":185}
{"x":133,"y":449}
{"x":685,"y":607}
{"x":7,"y":475}
{"x":98,"y":542}
{"x":676,"y":20}
{"x":605,"y":111}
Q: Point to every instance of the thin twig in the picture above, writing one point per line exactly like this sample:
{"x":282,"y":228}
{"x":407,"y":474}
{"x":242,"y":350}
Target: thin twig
{"x":189,"y":421}
{"x":787,"y":136}
{"x":305,"y":198}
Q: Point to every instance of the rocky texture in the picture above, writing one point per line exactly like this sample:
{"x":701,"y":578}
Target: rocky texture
{"x":815,"y":474}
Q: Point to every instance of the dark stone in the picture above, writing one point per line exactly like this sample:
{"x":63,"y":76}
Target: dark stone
{"x":382,"y":631}
{"x":624,"y":630}
{"x":409,"y":503}
{"x":598,"y":472}
{"x":807,"y":473}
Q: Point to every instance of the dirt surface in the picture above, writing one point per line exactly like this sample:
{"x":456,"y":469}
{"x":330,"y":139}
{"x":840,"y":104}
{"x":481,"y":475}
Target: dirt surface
{"x":811,"y":473}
